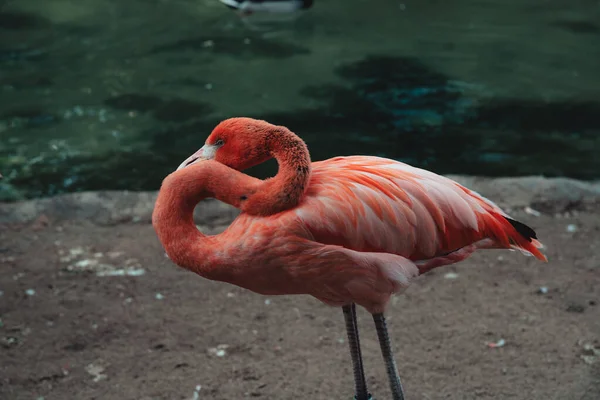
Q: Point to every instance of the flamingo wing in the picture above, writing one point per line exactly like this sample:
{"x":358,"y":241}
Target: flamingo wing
{"x":373,"y":204}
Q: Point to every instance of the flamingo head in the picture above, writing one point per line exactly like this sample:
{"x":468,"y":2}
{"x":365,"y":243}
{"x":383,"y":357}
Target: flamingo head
{"x":239,"y":143}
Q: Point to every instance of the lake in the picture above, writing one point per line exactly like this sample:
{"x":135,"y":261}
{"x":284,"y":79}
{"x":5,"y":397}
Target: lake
{"x":112,"y":94}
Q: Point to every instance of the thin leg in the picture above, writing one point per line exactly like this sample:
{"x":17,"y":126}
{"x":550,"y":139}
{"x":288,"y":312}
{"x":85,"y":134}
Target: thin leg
{"x":388,"y":357}
{"x":360,"y":358}
{"x":353,"y":341}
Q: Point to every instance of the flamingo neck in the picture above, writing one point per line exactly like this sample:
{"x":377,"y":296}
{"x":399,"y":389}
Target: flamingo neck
{"x":286,"y":189}
{"x":173,"y":218}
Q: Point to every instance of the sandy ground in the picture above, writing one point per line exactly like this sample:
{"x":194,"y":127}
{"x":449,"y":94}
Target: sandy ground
{"x":70,"y":329}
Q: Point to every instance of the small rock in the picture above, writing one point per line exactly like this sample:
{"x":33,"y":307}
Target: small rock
{"x":159,"y":296}
{"x":9,"y":341}
{"x":533,"y":212}
{"x":196,"y":395}
{"x":451,"y":275}
{"x":499,"y":343}
{"x":30,"y":292}
{"x":542,"y":290}
{"x":267,"y":302}
{"x":85,"y":263}
{"x":96,"y":371}
{"x":121,"y":272}
{"x":590,"y":354}
{"x":218,"y":351}
{"x":76,"y":251}
{"x":571,"y":228}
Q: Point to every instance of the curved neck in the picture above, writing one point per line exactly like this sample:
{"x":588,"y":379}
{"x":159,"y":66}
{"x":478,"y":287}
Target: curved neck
{"x":173,"y":215}
{"x":286,"y":189}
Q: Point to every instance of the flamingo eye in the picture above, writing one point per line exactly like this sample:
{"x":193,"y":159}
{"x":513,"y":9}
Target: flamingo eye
{"x":219,"y":142}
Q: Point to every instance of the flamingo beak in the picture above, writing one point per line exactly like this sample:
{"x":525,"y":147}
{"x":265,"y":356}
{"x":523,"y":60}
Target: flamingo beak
{"x":206,"y":152}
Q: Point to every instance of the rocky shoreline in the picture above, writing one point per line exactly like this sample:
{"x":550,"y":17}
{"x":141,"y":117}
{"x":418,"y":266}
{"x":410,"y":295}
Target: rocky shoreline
{"x":545,"y":195}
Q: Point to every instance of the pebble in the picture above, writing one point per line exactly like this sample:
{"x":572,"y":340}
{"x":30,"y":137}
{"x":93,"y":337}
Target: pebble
{"x":533,"y":212}
{"x":218,"y":351}
{"x":196,"y":395}
{"x":30,"y":292}
{"x":159,"y":296}
{"x":543,"y":290}
{"x":96,"y":371}
{"x":571,"y":228}
{"x":451,"y":275}
{"x":499,"y":343}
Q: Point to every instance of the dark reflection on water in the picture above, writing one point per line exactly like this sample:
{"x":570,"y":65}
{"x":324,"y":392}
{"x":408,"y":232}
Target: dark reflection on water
{"x":392,"y":107}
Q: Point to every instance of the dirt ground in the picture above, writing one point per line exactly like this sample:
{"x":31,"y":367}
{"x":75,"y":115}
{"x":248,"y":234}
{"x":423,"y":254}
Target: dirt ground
{"x":71,"y":329}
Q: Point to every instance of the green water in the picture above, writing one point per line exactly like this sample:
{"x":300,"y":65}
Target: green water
{"x":113,"y":94}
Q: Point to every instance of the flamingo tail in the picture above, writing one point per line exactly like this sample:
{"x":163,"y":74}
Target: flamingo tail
{"x":524,"y":238}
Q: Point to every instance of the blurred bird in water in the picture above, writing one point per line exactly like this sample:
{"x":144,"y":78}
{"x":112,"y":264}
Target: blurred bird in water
{"x":248,"y":7}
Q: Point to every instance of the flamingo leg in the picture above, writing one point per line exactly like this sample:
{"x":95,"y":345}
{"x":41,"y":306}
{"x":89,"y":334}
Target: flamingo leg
{"x":388,"y":357}
{"x":355,"y":352}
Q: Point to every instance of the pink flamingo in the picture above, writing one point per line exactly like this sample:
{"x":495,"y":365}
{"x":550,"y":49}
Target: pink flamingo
{"x":347,"y":230}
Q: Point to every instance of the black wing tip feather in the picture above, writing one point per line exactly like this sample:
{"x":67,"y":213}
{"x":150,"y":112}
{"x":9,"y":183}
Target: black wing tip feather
{"x":523,"y":229}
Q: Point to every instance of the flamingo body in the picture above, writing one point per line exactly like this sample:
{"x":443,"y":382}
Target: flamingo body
{"x":365,"y":227}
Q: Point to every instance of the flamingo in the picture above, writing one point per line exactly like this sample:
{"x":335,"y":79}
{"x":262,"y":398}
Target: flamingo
{"x":348,"y":230}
